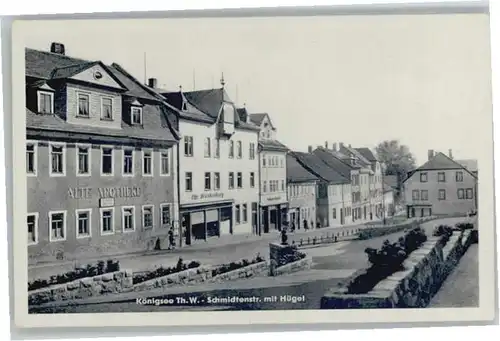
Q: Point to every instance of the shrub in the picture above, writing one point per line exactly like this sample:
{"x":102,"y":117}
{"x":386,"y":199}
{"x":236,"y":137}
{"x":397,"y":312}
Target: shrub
{"x":164,"y":271}
{"x":443,"y":231}
{"x":89,"y":270}
{"x":386,"y":260}
{"x":236,"y":265}
{"x":464,"y":226}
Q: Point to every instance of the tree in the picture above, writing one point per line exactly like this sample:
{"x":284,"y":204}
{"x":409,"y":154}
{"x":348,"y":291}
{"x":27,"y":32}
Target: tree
{"x":396,"y":158}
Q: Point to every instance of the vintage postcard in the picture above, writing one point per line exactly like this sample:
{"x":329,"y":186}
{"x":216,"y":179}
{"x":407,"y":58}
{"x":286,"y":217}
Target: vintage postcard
{"x":255,"y":169}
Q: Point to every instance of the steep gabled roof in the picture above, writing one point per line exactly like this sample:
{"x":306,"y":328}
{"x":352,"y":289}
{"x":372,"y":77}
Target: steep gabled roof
{"x":208,"y":101}
{"x":440,"y":161}
{"x":357,"y":155}
{"x":257,"y":118}
{"x":295,"y":172}
{"x":333,"y":162}
{"x":315,"y":165}
{"x":367,"y":153}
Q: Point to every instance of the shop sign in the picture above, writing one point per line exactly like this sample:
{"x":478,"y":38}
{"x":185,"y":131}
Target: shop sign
{"x":103,"y":192}
{"x":205,"y":196}
{"x":106,"y":202}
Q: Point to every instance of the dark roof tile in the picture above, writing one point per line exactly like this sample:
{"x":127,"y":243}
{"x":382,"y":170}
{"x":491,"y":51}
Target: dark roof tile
{"x":257,"y":118}
{"x":295,"y":172}
{"x":367,"y":154}
{"x":333,"y":162}
{"x":315,"y":165}
{"x":272,"y":145}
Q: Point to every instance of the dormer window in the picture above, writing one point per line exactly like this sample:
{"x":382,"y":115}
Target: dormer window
{"x":45,"y":102}
{"x":136,"y":114}
{"x":107,"y":109}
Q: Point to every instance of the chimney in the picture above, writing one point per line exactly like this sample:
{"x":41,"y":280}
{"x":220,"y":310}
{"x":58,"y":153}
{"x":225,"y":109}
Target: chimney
{"x":350,"y":145}
{"x":57,"y":48}
{"x":310,"y":149}
{"x":450,"y":153}
{"x":334,"y":147}
{"x":341,"y":145}
{"x":430,"y":154}
{"x":152,"y":82}
{"x":326,"y":144}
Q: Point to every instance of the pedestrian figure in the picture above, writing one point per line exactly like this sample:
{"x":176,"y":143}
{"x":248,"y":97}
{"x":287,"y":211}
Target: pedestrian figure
{"x":171,"y":241}
{"x":292,"y":228}
{"x":305,"y":225}
{"x":284,"y":237}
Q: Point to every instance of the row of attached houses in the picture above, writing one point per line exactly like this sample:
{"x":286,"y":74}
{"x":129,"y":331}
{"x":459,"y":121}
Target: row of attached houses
{"x":116,"y":166}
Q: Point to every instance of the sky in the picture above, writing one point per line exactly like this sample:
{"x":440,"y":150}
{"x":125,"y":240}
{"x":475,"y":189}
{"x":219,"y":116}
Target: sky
{"x":421,"y":79}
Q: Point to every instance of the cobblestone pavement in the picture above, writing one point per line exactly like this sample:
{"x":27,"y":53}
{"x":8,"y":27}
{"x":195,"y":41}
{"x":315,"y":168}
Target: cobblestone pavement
{"x":461,"y":288}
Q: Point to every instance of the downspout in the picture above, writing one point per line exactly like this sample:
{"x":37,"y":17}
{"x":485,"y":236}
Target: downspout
{"x":342,"y":215}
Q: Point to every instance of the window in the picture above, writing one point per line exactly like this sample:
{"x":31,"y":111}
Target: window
{"x":107,"y":161}
{"x":424,"y":194}
{"x":217,"y":181}
{"x":459,"y":176}
{"x":83,"y":159}
{"x":231,"y":149}
{"x":128,"y":218}
{"x":282,"y":164}
{"x":244,"y":213}
{"x":441,"y":177}
{"x":166,"y":215}
{"x":45,"y":102}
{"x":442,"y":194}
{"x":57,"y":164}
{"x":207,"y":147}
{"x":468,"y":193}
{"x":107,"y":109}
{"x":208,"y":181}
{"x":252,"y":179}
{"x":217,"y":148}
{"x":147,"y":162}
{"x":264,"y":186}
{"x":251,"y":151}
{"x":136,"y":114}
{"x":165,"y":163}
{"x":189,"y":181}
{"x":31,"y":158}
{"x":231,"y":180}
{"x":460,"y":193}
{"x":57,"y":225}
{"x":237,"y":214}
{"x":147,"y":217}
{"x":423,"y":177}
{"x":83,"y":219}
{"x":415,"y":194}
{"x":188,"y":146}
{"x":32,"y":221}
{"x":264,"y":161}
{"x":240,"y":180}
{"x":83,"y":105}
{"x":334,"y":213}
{"x":239,"y":151}
{"x":282,"y":185}
{"x":107,"y":221}
{"x":128,"y":162}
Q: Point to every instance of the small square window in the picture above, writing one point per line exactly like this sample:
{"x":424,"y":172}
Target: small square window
{"x":147,"y":217}
{"x":83,"y":105}
{"x":136,"y":113}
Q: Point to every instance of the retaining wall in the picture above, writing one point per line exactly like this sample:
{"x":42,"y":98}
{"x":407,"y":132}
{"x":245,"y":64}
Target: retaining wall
{"x":189,"y":276}
{"x":426,"y":269}
{"x":301,"y":264}
{"x":382,"y":230}
{"x":110,"y":283}
{"x":245,"y":272}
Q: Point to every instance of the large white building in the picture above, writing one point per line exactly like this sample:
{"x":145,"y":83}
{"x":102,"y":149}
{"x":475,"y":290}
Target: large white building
{"x":273,"y":189}
{"x":218,"y":165}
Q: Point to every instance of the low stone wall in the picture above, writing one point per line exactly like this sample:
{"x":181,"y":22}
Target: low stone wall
{"x":189,"y":276}
{"x":301,"y":264}
{"x":426,"y":269}
{"x":382,"y":230}
{"x":245,"y":272}
{"x":110,"y":283}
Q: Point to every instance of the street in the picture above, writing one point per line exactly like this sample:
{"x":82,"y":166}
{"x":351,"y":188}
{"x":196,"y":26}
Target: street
{"x":331,"y":266}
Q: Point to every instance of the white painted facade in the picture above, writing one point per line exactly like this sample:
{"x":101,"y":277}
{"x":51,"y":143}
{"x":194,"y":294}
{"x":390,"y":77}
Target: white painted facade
{"x":302,"y":204}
